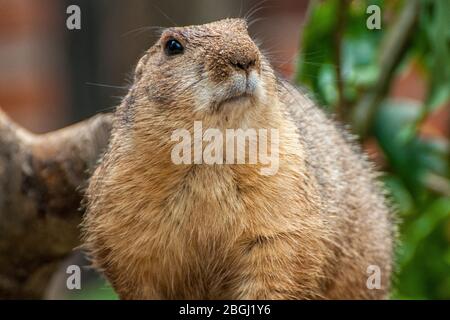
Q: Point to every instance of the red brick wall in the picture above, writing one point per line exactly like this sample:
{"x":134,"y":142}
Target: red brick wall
{"x":32,"y":66}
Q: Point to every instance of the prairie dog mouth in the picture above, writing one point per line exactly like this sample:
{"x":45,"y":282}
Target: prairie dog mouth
{"x":242,"y":90}
{"x":237,"y":98}
{"x":239,"y":92}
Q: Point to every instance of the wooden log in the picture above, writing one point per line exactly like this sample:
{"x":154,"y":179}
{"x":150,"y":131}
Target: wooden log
{"x":41,"y":185}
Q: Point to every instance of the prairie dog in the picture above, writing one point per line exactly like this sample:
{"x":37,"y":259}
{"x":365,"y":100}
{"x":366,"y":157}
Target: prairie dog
{"x":315,"y":229}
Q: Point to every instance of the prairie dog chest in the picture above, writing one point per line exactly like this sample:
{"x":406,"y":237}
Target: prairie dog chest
{"x":207,"y":203}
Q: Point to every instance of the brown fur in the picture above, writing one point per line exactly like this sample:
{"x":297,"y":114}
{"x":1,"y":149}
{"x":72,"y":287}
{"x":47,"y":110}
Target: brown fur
{"x":165,"y":231}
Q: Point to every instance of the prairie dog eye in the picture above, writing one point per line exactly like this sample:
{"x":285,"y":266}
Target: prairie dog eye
{"x":173,"y":47}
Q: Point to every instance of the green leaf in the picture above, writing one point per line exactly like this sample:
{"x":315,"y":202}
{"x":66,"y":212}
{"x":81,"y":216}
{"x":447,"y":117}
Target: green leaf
{"x":410,"y":156}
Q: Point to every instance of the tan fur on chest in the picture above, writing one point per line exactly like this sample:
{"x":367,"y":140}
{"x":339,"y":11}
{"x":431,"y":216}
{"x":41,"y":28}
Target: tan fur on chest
{"x":198,"y":223}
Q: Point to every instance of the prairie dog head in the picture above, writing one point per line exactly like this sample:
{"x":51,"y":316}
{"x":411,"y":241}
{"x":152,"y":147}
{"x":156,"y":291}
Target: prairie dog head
{"x":212,"y":71}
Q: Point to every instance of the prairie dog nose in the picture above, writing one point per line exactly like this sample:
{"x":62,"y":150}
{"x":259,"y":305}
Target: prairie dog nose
{"x":244,"y":63}
{"x":243,"y":56}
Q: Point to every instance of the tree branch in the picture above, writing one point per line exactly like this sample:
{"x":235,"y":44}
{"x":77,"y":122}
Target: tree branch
{"x":41,"y":181}
{"x":391,"y":54}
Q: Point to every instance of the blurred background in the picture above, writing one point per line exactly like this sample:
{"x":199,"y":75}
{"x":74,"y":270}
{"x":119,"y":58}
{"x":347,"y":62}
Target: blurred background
{"x":390,"y":85}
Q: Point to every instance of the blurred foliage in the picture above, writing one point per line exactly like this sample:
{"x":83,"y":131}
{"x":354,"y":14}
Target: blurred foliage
{"x":416,"y":166}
